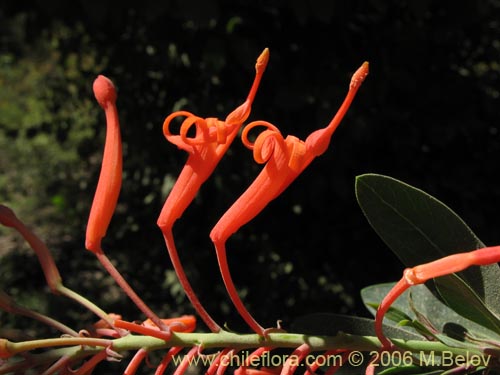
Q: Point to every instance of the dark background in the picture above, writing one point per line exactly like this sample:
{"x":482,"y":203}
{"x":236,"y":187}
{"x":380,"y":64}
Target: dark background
{"x":427,"y":114}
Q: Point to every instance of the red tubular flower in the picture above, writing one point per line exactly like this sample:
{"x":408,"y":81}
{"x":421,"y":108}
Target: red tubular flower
{"x":424,"y":272}
{"x":285,"y":159}
{"x":110,"y":179}
{"x":212,"y":140}
{"x":108,"y":189}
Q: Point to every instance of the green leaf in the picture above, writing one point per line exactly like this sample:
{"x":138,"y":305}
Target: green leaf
{"x":419,"y":229}
{"x":466,"y":302}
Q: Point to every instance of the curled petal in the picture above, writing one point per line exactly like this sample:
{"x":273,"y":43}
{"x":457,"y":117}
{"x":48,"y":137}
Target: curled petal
{"x":166,"y":123}
{"x":202,"y":135}
{"x":265,"y":143}
{"x":207,"y":131}
{"x":244,"y":134}
{"x":176,"y":139}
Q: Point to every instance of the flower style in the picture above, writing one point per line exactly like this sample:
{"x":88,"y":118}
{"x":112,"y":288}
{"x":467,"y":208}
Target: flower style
{"x":108,"y":190}
{"x":424,"y":272}
{"x":285,"y":159}
{"x":212,"y":140}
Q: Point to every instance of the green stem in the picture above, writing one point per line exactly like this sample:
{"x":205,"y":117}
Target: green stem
{"x":79,"y":347}
{"x":25,"y":346}
{"x":91,"y":306}
{"x":9,"y":305}
{"x":224,"y":339}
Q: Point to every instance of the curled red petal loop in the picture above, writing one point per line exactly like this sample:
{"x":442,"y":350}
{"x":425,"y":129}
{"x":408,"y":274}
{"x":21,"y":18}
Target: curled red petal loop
{"x":110,"y":178}
{"x":202,"y":136}
{"x":264,"y":143}
{"x":176,"y":138}
{"x":208,"y":132}
{"x":244,"y":134}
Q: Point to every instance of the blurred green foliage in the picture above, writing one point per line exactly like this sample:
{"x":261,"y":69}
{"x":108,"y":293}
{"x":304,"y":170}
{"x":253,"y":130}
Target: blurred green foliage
{"x":47,"y":122}
{"x":428,"y":114}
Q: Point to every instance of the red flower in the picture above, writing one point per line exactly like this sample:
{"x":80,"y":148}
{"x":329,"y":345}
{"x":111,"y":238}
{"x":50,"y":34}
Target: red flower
{"x":212,"y":140}
{"x":110,"y":179}
{"x":108,"y":189}
{"x":285,"y":159}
